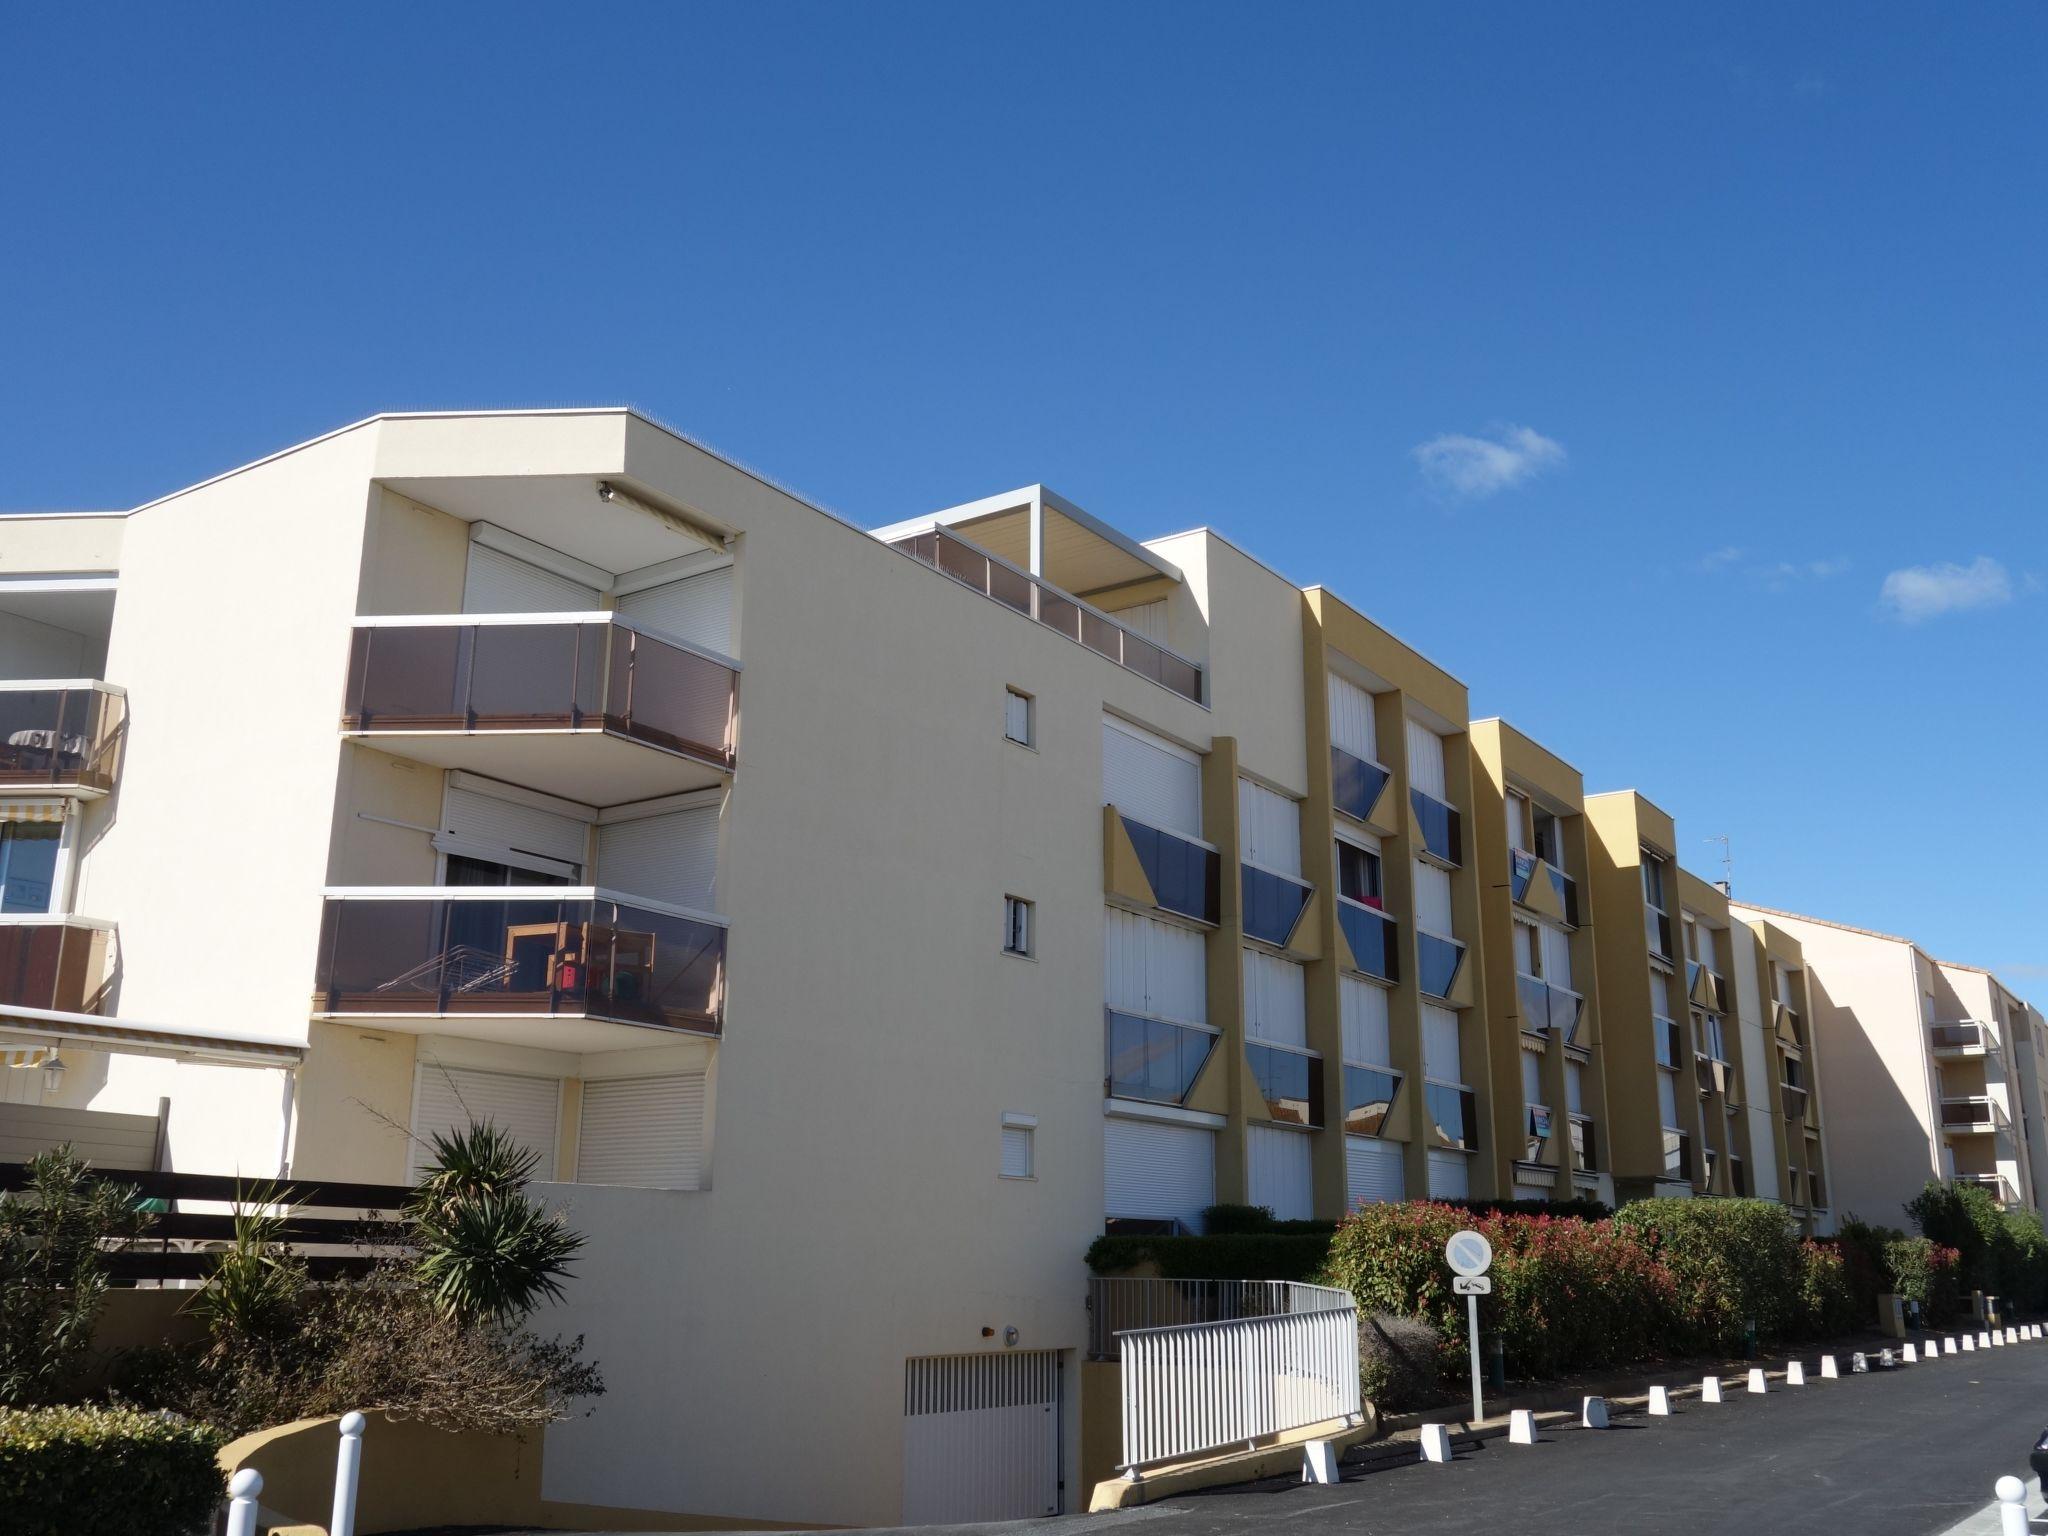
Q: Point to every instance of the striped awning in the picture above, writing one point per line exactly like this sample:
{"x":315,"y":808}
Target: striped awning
{"x":36,"y":1056}
{"x":31,"y":808}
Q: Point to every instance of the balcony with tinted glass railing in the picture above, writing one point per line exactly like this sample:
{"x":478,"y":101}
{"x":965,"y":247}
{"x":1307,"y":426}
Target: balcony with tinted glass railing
{"x":1657,"y":932}
{"x":1273,"y":903}
{"x":1705,"y":987}
{"x":1369,"y":1096}
{"x":1585,"y":1144}
{"x":582,"y":705}
{"x":1965,"y":1037}
{"x":566,"y":968}
{"x":1047,"y":605}
{"x":1670,"y":1040}
{"x":1973,"y":1115}
{"x":1369,"y":933}
{"x":60,"y":737}
{"x":1994,"y":1183}
{"x":1793,"y":1097}
{"x":1439,"y":829}
{"x":1181,"y":875}
{"x":1541,"y":886}
{"x":1291,"y":1083}
{"x":1152,"y":1060}
{"x":1356,"y":786}
{"x":58,"y":964}
{"x":1536,"y":1146}
{"x":1678,"y":1163}
{"x":1439,"y":964}
{"x":1547,"y":1009}
{"x":1453,"y":1115}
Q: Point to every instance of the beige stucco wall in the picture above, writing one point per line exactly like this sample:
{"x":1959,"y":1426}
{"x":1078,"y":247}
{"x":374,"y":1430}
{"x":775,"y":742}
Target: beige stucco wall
{"x":62,"y":544}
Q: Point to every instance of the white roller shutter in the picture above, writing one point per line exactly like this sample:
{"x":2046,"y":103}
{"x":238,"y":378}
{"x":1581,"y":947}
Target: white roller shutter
{"x":472,"y":816}
{"x":1151,"y":780}
{"x":647,"y":1132}
{"x":1574,"y":1088}
{"x":1557,"y":958}
{"x":1146,"y":619}
{"x":1155,"y":1172}
{"x":697,"y":609}
{"x":1154,"y":968}
{"x":1278,"y":1174}
{"x":1660,"y":993}
{"x":1440,"y":1058}
{"x":1526,"y":945}
{"x":1364,"y":1008}
{"x":1433,"y":900}
{"x":1450,"y":1175}
{"x":1704,"y":941}
{"x":450,"y":1099}
{"x":673,"y":857}
{"x":1532,"y":1078}
{"x":1351,"y":719}
{"x":1271,"y":827}
{"x":500,"y":583}
{"x":1426,"y":760}
{"x":1275,"y":999}
{"x":1667,"y":1099}
{"x":1518,"y":821}
{"x":1372,"y":1171}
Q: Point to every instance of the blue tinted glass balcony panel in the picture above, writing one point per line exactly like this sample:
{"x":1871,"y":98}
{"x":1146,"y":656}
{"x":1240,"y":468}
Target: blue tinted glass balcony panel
{"x":1369,"y":1096}
{"x":1567,"y":893}
{"x":1453,"y":1115}
{"x":1355,"y":784}
{"x":1532,"y":997}
{"x":1538,"y":1140}
{"x":1438,"y":962}
{"x":1442,"y":827}
{"x":1273,"y":904}
{"x":1153,"y":1060}
{"x":1371,"y":937}
{"x":1566,"y":1009}
{"x":1521,"y":870}
{"x":1290,"y":1083}
{"x":1185,"y":877}
{"x":1668,"y":1041}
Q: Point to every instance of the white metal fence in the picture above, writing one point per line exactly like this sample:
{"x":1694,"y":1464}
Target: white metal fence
{"x":1205,"y":1386}
{"x":1120,"y":1304}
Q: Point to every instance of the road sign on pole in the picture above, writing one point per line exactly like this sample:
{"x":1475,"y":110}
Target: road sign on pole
{"x":1470,"y":1255}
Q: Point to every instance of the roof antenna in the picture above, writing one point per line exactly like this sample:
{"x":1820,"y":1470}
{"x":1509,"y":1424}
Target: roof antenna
{"x":1727,"y":880}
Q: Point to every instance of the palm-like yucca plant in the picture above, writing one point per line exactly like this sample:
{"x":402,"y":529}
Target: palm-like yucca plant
{"x":256,"y":1283}
{"x":488,"y":1253}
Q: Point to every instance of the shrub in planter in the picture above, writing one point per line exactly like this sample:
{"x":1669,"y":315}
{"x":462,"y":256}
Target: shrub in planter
{"x":1731,"y":1262}
{"x":109,"y":1471}
{"x":1398,"y":1362}
{"x":1924,"y":1271}
{"x":1826,"y":1303}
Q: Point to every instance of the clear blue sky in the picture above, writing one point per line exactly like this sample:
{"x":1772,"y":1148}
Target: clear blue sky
{"x":1747,"y":302}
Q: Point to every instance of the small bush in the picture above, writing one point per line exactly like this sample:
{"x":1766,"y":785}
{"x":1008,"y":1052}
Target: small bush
{"x":1398,"y":1359}
{"x":1245,"y":1220}
{"x":1924,"y":1271}
{"x":1733,"y":1262}
{"x":1865,"y":1269}
{"x":109,"y":1471}
{"x":1826,"y":1303}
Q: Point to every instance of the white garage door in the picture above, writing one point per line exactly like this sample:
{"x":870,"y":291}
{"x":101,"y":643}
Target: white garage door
{"x":1372,"y":1171}
{"x":697,"y":609}
{"x":647,"y":1132}
{"x":449,"y":1099}
{"x":1157,"y":1172}
{"x":981,"y":1437}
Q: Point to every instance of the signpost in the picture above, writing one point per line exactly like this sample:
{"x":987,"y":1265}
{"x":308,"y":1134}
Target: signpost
{"x":1470,"y":1255}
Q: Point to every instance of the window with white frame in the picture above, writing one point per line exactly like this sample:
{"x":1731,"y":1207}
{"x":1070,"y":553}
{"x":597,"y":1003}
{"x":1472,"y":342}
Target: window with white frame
{"x":1358,"y":871}
{"x":1020,"y":718}
{"x":1020,"y":1154}
{"x":28,"y":865}
{"x":1020,"y":920}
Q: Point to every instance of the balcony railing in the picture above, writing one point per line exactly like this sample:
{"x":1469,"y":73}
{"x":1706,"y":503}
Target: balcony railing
{"x":472,"y":672}
{"x":1273,"y":903}
{"x":1790,"y":1027}
{"x":1437,"y":962}
{"x":571,"y":952}
{"x":1670,"y":1041}
{"x":1547,"y":1008}
{"x":1973,"y":1113}
{"x":1794,"y":1098}
{"x":1355,"y":784}
{"x":1994,"y":1182}
{"x":60,"y":735}
{"x":1677,"y":1155}
{"x":1705,"y":987}
{"x":1968,"y":1038}
{"x":1442,"y":828}
{"x":1585,"y":1144}
{"x":1121,"y":1303}
{"x":1290,"y":1083}
{"x":56,"y":963}
{"x":1522,"y":868}
{"x":1370,"y":933}
{"x":1369,"y":1095}
{"x":1657,"y":931}
{"x":1453,"y":1115}
{"x":1712,"y":1073}
{"x":994,"y":577}
{"x":1537,"y":1140}
{"x":1152,"y":1059}
{"x":1185,"y":876}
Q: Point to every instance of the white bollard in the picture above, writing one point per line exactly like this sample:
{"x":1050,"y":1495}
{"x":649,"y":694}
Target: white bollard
{"x":1983,"y":1341}
{"x":1710,"y":1390}
{"x":1757,"y":1381}
{"x":2012,"y":1335}
{"x":1948,"y":1345}
{"x":1828,"y":1372}
{"x":1522,"y":1427}
{"x":245,"y":1485}
{"x":1660,"y":1403}
{"x":348,"y":1467}
{"x":1969,"y":1344}
{"x":1436,"y":1442}
{"x":2012,"y":1506}
{"x":1795,"y":1373}
{"x":1593,"y":1413}
{"x":1318,"y":1462}
{"x":1910,"y":1355}
{"x":1998,"y":1340}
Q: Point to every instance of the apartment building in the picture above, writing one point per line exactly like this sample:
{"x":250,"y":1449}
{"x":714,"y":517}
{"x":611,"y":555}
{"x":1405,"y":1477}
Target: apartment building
{"x":852,"y":923}
{"x":1543,"y":1024}
{"x":1942,"y":1062}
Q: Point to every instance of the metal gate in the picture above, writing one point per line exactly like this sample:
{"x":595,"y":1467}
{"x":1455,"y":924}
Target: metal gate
{"x":981,"y":1437}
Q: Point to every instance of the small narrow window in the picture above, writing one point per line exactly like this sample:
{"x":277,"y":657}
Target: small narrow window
{"x":1019,"y":1155}
{"x":1019,"y":919}
{"x":1020,"y":718}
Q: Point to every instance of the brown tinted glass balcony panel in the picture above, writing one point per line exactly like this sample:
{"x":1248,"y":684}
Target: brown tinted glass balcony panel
{"x":1151,"y":1059}
{"x":65,"y":738}
{"x":541,"y":676}
{"x":53,"y":964}
{"x":577,"y":956}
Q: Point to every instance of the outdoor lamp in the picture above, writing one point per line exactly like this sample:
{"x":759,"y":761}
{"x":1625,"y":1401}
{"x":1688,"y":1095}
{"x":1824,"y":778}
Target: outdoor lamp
{"x":53,"y":1075}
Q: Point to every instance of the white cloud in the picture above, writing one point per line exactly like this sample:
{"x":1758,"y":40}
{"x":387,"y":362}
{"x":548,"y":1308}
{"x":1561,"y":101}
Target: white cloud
{"x":1726,"y":555}
{"x":1921,"y":592}
{"x":1776,"y":578}
{"x":1471,"y":468}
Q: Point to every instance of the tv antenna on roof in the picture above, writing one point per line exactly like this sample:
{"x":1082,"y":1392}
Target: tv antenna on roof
{"x":1727,"y":864}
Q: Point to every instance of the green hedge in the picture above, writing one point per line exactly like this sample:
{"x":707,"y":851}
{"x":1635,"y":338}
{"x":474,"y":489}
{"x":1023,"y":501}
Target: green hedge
{"x":1734,"y":1262}
{"x":1246,"y":1256}
{"x":107,"y":1471}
